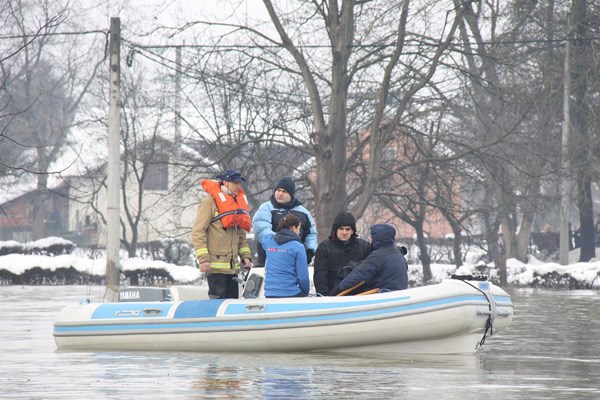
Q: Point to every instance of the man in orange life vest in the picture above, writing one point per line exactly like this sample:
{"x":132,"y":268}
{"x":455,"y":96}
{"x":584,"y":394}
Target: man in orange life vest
{"x":219,"y":233}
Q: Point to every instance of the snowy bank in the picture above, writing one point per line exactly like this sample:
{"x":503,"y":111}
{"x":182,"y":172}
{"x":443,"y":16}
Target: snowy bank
{"x":533,"y":274}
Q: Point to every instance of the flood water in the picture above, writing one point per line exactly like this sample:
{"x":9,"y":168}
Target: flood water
{"x":551,"y":351}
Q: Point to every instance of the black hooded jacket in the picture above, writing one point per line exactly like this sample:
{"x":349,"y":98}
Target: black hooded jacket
{"x":332,"y":255}
{"x":385,"y":268}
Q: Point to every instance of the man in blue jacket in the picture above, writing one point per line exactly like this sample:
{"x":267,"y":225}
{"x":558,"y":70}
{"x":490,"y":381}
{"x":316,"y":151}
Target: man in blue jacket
{"x":282,"y":203}
{"x":385,"y":268}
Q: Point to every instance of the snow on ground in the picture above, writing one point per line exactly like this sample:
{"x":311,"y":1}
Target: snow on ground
{"x":518,"y":273}
{"x":18,"y":263}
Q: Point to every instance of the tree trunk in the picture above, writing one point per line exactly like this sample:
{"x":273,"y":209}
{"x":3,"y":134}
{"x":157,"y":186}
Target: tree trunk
{"x":499,"y":260}
{"x":330,"y":190}
{"x":522,"y":237}
{"x":581,"y":67}
{"x":38,"y":228}
{"x":457,"y":245}
{"x":586,"y":217}
{"x":507,"y":226}
{"x":424,"y":255}
{"x":457,"y":242}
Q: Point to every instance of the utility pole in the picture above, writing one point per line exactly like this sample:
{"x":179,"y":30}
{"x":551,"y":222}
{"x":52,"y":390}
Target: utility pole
{"x":113,"y":242}
{"x":177,"y":99}
{"x":565,"y":236}
{"x":174,"y":167}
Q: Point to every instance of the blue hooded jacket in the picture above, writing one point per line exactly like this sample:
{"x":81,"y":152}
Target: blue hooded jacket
{"x":286,"y":270}
{"x":385,"y":268}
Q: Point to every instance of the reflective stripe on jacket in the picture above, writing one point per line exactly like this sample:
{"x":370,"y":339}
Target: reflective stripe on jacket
{"x":212,"y":243}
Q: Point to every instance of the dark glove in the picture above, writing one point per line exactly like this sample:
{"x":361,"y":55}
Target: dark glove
{"x":309,"y":255}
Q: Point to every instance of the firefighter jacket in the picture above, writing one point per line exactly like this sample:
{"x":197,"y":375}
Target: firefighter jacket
{"x":222,"y":247}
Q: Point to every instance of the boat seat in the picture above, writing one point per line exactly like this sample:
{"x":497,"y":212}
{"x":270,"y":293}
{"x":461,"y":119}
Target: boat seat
{"x":183,"y":293}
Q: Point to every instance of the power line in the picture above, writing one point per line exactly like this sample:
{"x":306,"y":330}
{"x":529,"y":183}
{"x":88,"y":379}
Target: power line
{"x":363,"y":46}
{"x":306,"y":46}
{"x":146,"y":50}
{"x":34,"y":35}
{"x":213,"y":80}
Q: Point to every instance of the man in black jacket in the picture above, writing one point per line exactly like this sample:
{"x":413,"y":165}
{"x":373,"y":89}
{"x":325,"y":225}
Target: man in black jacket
{"x":342,"y":248}
{"x":385,"y":268}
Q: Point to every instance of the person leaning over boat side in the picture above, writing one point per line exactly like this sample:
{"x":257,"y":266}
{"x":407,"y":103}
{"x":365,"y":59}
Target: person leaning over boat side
{"x":283,"y":202}
{"x":339,"y":250}
{"x":286,"y":267}
{"x":219,"y":233}
{"x":385,"y":268}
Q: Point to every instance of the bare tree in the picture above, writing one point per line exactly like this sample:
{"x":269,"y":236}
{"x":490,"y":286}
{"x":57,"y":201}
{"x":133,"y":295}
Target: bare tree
{"x":515,"y":120}
{"x":236,"y":126}
{"x":401,"y":71}
{"x":428,"y":183}
{"x":342,"y":72}
{"x":13,"y":144}
{"x":149,"y":172}
{"x":583,"y":116}
{"x":43,"y":94}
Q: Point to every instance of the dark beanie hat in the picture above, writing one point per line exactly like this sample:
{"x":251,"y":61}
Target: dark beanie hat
{"x":343,"y":219}
{"x":287,"y":184}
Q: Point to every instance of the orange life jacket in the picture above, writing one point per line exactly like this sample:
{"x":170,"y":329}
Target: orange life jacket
{"x":231,"y":212}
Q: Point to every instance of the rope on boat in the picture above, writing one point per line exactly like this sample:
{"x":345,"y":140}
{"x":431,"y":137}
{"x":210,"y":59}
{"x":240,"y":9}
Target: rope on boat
{"x":489,"y":325}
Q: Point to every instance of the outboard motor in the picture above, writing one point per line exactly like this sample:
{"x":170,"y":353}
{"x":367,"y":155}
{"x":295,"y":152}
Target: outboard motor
{"x":141,"y":294}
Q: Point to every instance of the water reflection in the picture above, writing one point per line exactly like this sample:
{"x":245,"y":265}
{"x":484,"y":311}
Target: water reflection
{"x":286,"y":383}
{"x":323,"y":375}
{"x":219,"y":382}
{"x":550,"y":351}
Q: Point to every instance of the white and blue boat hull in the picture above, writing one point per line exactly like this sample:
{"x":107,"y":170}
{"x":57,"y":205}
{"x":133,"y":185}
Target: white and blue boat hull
{"x":447,"y":318}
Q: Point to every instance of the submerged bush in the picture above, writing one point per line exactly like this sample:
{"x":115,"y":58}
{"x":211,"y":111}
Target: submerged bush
{"x":555,"y":280}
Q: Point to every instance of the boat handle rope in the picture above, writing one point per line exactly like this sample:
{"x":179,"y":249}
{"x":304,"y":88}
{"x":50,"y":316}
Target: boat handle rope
{"x":489,"y":325}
